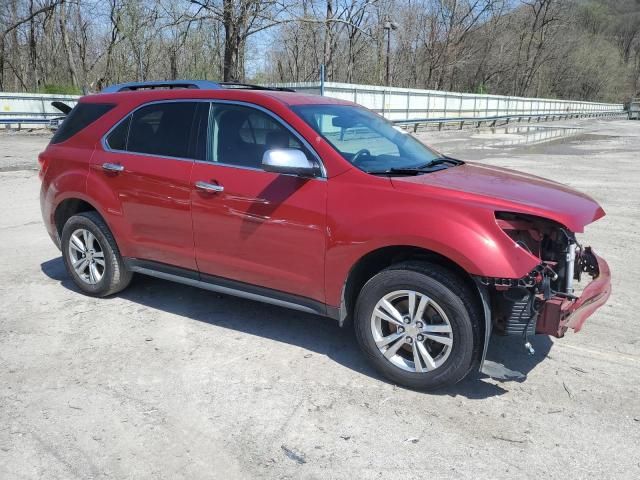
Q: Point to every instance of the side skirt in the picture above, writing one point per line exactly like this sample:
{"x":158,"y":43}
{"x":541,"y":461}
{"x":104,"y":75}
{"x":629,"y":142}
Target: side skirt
{"x":227,"y":286}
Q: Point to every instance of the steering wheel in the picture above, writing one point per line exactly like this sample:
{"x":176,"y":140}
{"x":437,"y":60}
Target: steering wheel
{"x":359,"y":154}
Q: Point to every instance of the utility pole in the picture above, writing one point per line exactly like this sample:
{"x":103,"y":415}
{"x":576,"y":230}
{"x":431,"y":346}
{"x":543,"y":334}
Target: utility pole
{"x":388,"y":26}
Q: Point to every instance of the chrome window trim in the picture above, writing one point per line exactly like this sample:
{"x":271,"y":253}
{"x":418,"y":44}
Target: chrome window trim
{"x":211,"y":102}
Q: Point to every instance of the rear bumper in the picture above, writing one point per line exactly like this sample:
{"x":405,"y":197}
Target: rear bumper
{"x":46,"y":209}
{"x":560,"y":313}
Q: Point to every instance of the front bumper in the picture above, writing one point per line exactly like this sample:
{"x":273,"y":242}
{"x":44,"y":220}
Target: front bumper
{"x":560,"y":313}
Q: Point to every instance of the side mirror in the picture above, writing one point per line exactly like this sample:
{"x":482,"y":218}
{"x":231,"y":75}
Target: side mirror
{"x":288,"y":161}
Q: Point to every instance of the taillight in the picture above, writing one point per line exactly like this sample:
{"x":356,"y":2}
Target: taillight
{"x":43,"y":162}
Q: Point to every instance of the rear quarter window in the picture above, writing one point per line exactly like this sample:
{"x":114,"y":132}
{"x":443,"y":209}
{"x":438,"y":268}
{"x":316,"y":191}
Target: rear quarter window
{"x":82,"y":115}
{"x":117,"y":139}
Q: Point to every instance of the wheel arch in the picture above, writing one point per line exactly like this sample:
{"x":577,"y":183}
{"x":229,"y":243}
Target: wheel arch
{"x":69,"y":207}
{"x":377,"y":260}
{"x":77,"y":203}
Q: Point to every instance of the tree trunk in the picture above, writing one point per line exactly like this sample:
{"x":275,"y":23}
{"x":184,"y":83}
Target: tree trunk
{"x":2,"y":63}
{"x":327,"y":52}
{"x":67,"y":46}
{"x":173,"y":64}
{"x":33,"y":50}
{"x":230,"y":63}
{"x":233,"y":42}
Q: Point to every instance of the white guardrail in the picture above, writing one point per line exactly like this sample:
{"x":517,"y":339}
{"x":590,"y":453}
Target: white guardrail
{"x":33,"y":109}
{"x":400,"y":105}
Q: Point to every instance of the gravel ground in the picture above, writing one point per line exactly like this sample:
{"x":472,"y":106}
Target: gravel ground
{"x":167,"y":381}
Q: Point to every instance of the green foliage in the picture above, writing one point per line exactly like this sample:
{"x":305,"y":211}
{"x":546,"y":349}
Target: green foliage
{"x":60,"y":89}
{"x":481,"y":89}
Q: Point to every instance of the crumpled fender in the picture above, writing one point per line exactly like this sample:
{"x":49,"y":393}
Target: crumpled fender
{"x":466,"y":235}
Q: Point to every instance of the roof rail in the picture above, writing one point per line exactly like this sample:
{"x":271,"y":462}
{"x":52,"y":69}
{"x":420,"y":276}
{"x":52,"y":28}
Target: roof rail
{"x":194,"y":84}
{"x":130,"y":86}
{"x":249,"y":86}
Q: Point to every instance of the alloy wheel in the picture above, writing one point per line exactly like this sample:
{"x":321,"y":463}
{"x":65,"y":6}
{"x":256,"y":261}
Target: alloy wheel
{"x":412,"y":331}
{"x":86,"y":256}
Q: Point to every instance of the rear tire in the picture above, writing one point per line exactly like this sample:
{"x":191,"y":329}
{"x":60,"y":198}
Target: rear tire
{"x":91,"y":256}
{"x":418,"y":324}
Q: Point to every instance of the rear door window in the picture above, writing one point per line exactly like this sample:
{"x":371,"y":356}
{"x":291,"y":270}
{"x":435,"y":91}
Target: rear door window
{"x":171,"y":129}
{"x":82,"y":115}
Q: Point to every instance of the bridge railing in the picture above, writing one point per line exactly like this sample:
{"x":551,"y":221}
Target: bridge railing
{"x":35,"y":109}
{"x":404,"y":106}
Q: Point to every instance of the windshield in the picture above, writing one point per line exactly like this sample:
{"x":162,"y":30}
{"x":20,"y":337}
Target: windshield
{"x":365,"y":139}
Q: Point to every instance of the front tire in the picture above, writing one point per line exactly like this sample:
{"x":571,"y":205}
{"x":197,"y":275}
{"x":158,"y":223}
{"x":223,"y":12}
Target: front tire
{"x":418,"y":324}
{"x":91,"y":256}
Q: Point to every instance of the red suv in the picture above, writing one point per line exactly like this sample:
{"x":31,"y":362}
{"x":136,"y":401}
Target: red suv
{"x":322,"y":206}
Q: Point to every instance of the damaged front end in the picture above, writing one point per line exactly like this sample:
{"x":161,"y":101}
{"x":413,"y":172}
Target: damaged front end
{"x":545,"y":300}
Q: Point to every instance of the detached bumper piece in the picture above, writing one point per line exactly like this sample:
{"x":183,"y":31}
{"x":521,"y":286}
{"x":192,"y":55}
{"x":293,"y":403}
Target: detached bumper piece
{"x":561,"y":312}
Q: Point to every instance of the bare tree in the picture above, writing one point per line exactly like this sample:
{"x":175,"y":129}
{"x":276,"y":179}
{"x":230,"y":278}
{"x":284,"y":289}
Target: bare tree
{"x":62,"y":15}
{"x":536,"y":35}
{"x":565,"y":48}
{"x":11,"y":27}
{"x":240,"y":19}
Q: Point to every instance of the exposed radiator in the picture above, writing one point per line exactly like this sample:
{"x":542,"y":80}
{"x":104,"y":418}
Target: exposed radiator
{"x":517,"y":321}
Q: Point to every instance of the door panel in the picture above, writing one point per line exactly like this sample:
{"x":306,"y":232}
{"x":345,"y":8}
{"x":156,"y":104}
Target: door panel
{"x":264,"y":229}
{"x":154,"y":196}
{"x":153,"y":152}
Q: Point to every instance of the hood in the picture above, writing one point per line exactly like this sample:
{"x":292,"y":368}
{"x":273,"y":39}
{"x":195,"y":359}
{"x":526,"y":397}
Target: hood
{"x":509,"y":190}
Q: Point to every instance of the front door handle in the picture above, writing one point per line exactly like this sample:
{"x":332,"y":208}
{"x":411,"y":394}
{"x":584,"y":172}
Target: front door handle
{"x":112,"y":167}
{"x":209,"y":187}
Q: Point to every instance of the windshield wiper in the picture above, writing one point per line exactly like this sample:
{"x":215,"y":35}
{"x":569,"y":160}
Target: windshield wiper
{"x":400,"y":171}
{"x":441,"y":160}
{"x":410,"y":170}
{"x":426,"y":168}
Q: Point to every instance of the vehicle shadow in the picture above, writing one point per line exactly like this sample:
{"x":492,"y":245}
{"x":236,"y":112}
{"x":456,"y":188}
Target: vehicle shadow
{"x":506,"y":359}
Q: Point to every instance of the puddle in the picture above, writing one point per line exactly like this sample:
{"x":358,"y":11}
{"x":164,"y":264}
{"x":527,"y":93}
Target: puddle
{"x":527,"y":139}
{"x":531,"y":135}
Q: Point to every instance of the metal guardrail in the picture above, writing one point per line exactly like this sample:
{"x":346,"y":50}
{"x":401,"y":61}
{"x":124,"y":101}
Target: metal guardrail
{"x":20,"y":121}
{"x":28,"y":118}
{"x":493,"y":120}
{"x":396,"y":104}
{"x":31,"y":109}
{"x":409,"y":103}
{"x":31,"y":114}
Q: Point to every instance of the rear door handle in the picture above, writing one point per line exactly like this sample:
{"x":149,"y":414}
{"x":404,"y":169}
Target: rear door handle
{"x":209,"y":187}
{"x":112,"y":167}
